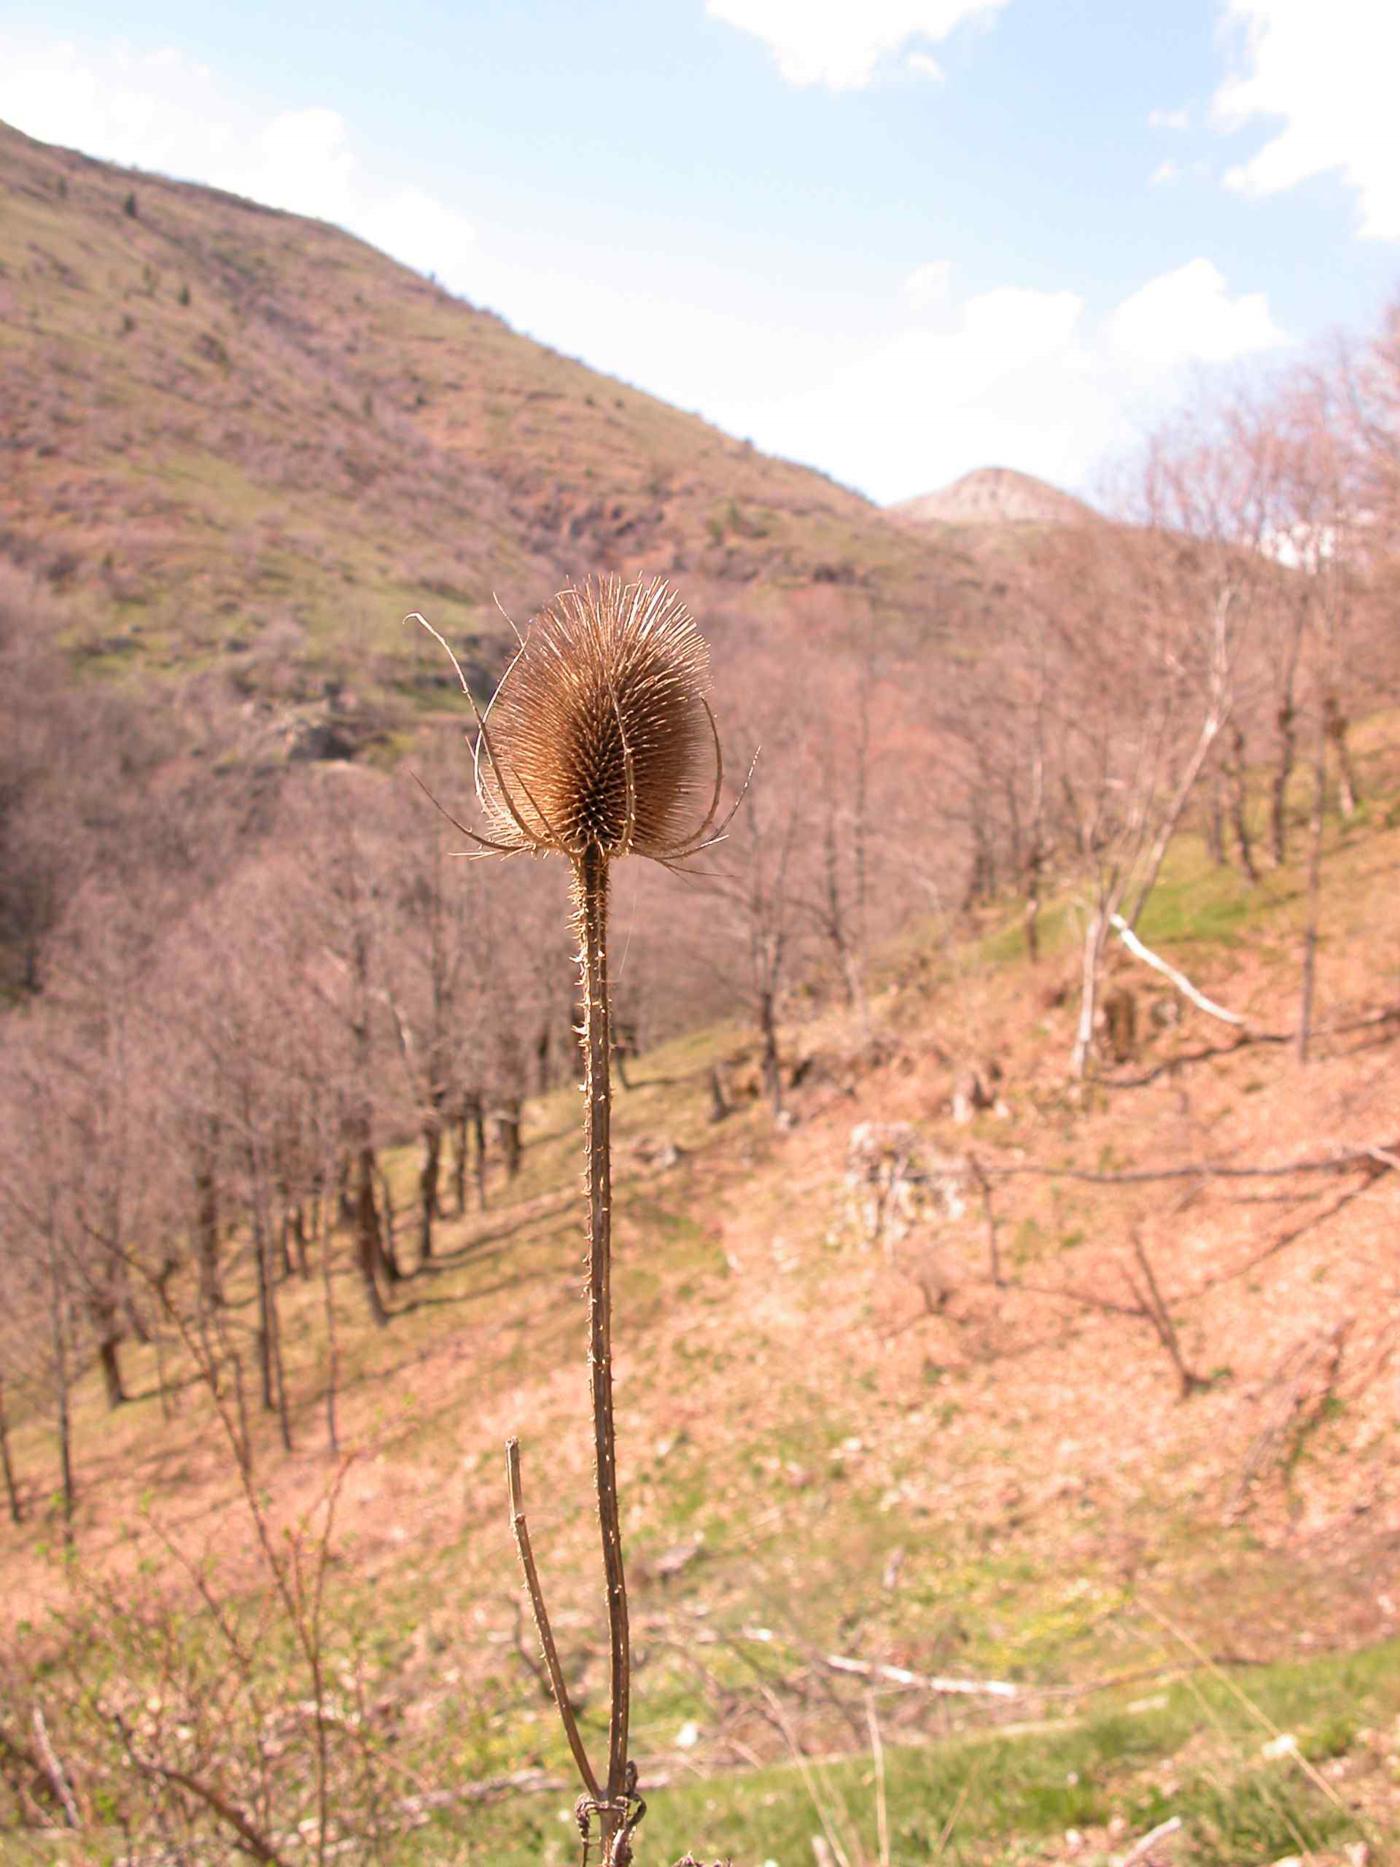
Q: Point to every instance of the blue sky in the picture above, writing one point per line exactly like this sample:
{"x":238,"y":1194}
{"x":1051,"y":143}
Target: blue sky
{"x":896,"y":239}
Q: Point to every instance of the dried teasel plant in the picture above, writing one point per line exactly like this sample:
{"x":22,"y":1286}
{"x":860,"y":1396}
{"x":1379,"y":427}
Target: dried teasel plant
{"x":599,"y":743}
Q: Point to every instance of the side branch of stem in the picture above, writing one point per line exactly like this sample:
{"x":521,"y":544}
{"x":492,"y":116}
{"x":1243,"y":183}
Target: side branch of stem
{"x":551,"y":1652}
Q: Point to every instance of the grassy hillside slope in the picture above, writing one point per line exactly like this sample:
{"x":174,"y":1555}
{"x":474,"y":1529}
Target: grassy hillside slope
{"x":234,"y":435}
{"x":834,"y":1444}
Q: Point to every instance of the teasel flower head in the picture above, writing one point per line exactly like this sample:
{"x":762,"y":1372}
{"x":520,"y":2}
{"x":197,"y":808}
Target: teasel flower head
{"x":600,"y":736}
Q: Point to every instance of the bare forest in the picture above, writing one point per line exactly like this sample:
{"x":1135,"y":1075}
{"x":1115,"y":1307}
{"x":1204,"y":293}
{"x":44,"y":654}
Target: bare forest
{"x":286,"y":1056}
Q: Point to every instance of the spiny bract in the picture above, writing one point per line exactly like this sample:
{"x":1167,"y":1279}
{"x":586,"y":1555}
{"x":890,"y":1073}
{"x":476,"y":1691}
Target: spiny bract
{"x":600,"y":734}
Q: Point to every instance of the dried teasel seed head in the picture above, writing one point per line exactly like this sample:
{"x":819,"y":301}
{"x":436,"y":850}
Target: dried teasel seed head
{"x":600,"y":735}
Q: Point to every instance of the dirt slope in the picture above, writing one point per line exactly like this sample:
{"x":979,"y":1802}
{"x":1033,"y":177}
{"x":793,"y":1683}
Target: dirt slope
{"x":864,"y":1444}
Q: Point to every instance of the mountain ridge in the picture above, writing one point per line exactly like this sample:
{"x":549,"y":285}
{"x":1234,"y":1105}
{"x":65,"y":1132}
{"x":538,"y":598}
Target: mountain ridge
{"x":242,"y":438}
{"x":995,"y":496}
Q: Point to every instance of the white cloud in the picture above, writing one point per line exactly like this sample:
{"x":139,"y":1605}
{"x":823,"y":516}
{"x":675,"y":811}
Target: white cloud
{"x":840,"y":43}
{"x":1011,"y":377}
{"x":924,"y":65}
{"x":1164,"y":172}
{"x":1189,"y":313}
{"x":1169,"y":119}
{"x":164,"y":112}
{"x":1329,"y":72}
{"x":929,"y":287}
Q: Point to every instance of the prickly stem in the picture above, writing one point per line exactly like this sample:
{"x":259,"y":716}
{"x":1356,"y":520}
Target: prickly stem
{"x":591,"y":894}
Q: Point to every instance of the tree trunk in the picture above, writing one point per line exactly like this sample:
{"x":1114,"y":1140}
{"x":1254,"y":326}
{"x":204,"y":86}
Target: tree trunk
{"x":367,"y":1249}
{"x":11,"y":1488}
{"x":332,"y":1339}
{"x":1035,"y":864}
{"x":1239,"y":805}
{"x":459,"y":1161}
{"x":59,"y":1347}
{"x":981,"y":877}
{"x":772,"y":1062}
{"x":108,"y":1345}
{"x":299,"y":1240}
{"x":838,"y":927}
{"x":1348,"y":793}
{"x":266,"y":1300}
{"x":478,"y":1114}
{"x":388,"y":1228}
{"x":1095,"y":936}
{"x":347,"y":1189}
{"x":168,"y":1407}
{"x":508,"y":1134}
{"x":1176,"y":810}
{"x":131,"y":1309}
{"x":284,"y":1242}
{"x":1308,"y":985}
{"x":1215,"y":822}
{"x":429,"y":1208}
{"x":206,"y":1233}
{"x":1287,"y":719}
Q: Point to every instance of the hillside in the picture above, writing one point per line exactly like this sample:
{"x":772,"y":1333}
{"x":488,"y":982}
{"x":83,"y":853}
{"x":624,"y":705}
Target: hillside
{"x":1009,"y":1458}
{"x":235,"y":438}
{"x":843,"y":1443}
{"x":994,"y":496}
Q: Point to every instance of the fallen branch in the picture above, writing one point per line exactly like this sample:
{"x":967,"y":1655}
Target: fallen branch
{"x":1150,"y":1301}
{"x":922,"y":1682}
{"x":246,"y":1837}
{"x":1379,"y":1157}
{"x":1178,"y":979}
{"x":1140,"y":1852}
{"x":53,"y":1769}
{"x":16,"y":1758}
{"x":1248,"y":1039}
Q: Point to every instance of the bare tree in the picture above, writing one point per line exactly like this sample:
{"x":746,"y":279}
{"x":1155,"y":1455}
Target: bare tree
{"x":759,"y":882}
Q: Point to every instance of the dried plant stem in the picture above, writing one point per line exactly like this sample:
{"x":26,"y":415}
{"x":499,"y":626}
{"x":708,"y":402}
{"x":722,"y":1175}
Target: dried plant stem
{"x":599,"y":740}
{"x":591,"y":890}
{"x":546,"y":1633}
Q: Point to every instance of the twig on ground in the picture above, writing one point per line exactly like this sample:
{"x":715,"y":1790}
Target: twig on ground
{"x":932,"y":1683}
{"x":1139,"y":1853}
{"x":248,"y":1839}
{"x":1247,"y":1039}
{"x":53,"y":1769}
{"x":1379,"y":1157}
{"x":1153,"y":1307}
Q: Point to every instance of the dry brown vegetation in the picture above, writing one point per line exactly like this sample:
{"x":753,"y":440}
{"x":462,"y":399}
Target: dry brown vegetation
{"x":995,"y":1312}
